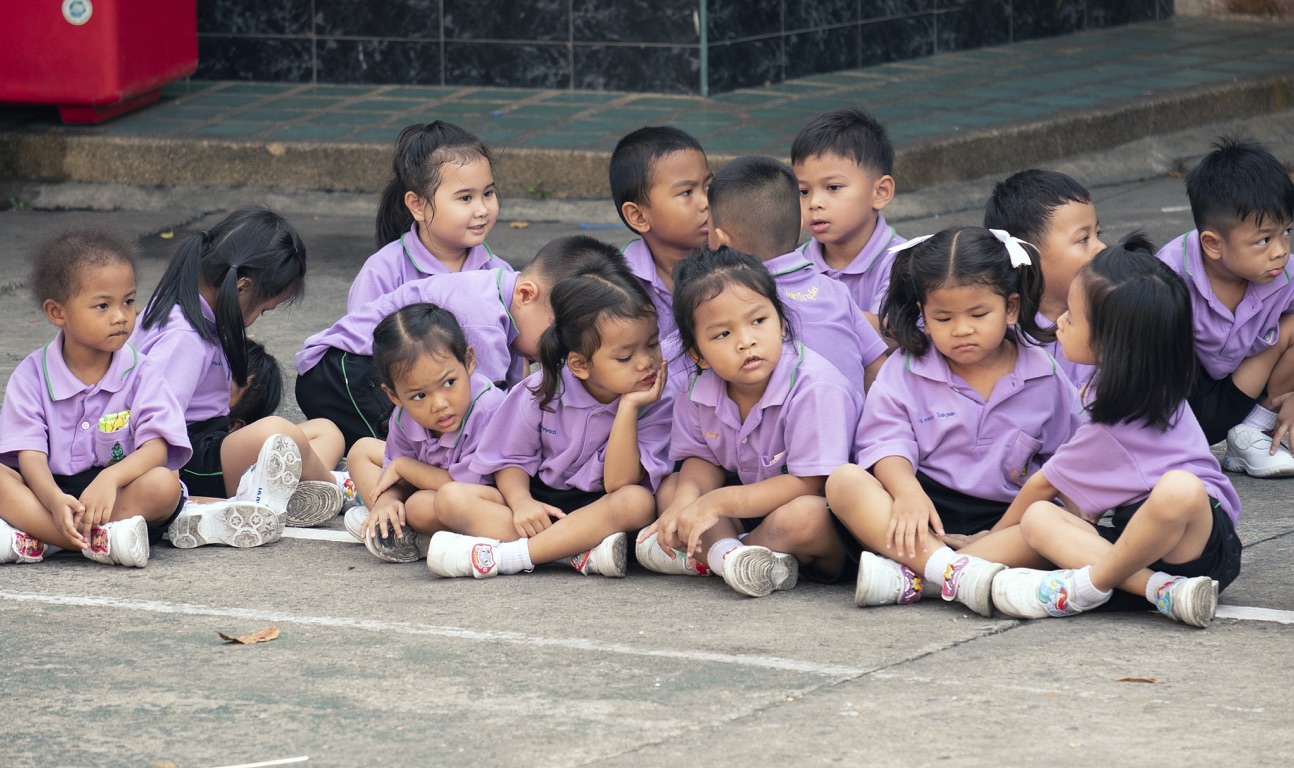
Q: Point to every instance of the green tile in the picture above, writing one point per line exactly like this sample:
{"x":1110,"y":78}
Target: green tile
{"x":549,"y":111}
{"x":588,"y":98}
{"x":267,"y":115}
{"x":264,"y":89}
{"x":382,"y":105}
{"x":1064,"y":100}
{"x":501,"y":95}
{"x":375,"y":135}
{"x":190,"y":112}
{"x":338,"y":90}
{"x":663,"y":102}
{"x":410,"y":92}
{"x":351,"y":118}
{"x":311,"y":132}
{"x":186,"y":87}
{"x":222,"y":99}
{"x":229,"y":129}
{"x":307,"y":102}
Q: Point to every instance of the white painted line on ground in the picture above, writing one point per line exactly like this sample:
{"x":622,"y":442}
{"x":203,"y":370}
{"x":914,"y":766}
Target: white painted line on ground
{"x":1254,"y":614}
{"x":284,"y":761}
{"x":369,"y":625}
{"x":1174,"y":208}
{"x":315,"y":534}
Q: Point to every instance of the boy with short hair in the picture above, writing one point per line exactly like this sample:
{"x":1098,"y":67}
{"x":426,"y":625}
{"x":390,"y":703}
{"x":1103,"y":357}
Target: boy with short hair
{"x":843,"y":161}
{"x":755,"y":208}
{"x":1242,"y":294}
{"x":1055,"y":213}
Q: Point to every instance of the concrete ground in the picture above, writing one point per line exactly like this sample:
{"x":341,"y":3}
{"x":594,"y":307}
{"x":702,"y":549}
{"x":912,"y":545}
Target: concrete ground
{"x":379,"y":664}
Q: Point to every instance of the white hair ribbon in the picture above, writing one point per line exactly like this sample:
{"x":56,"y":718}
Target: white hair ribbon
{"x":1014,"y":248}
{"x":910,"y":243}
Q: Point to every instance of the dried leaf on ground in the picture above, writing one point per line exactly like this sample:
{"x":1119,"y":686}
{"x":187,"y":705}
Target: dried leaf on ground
{"x":262,"y":636}
{"x":518,"y":224}
{"x":1135,"y":680}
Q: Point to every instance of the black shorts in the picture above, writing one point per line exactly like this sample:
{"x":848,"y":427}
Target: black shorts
{"x":566,"y":499}
{"x":1220,"y":559}
{"x":204,"y":475}
{"x":1218,"y":404}
{"x":342,"y":388}
{"x":961,"y":513}
{"x":75,"y":485}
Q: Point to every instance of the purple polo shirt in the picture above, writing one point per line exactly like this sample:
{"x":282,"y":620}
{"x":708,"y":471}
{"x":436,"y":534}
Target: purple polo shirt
{"x":643,"y":267}
{"x":480,"y":300}
{"x":567,"y":448}
{"x":196,"y":369}
{"x":1104,"y":466}
{"x":868,"y":276}
{"x":825,"y":316}
{"x":451,"y":451}
{"x":78,"y":425}
{"x":920,"y":410}
{"x":802,"y":426}
{"x":1078,"y":373}
{"x":401,"y":261}
{"x":1223,"y":339}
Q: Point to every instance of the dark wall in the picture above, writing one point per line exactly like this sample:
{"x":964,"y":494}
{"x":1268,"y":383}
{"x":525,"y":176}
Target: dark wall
{"x":630,"y":45}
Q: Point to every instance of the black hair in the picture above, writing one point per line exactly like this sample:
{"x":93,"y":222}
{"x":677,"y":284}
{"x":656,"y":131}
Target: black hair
{"x":1024,"y":203}
{"x":412,"y":333}
{"x":573,"y":255}
{"x":756,"y":200}
{"x":703,"y":276}
{"x":1237,"y":181}
{"x":850,"y":132}
{"x":421,"y":152}
{"x":264,"y":390}
{"x":959,"y":256}
{"x":634,"y":156}
{"x":1139,"y":316}
{"x":58,"y":262}
{"x":580,"y":305}
{"x":252,"y":242}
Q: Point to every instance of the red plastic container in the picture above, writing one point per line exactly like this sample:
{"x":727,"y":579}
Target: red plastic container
{"x":95,"y":59}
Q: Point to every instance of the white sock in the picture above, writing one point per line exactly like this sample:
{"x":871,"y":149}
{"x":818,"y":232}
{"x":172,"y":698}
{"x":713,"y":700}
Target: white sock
{"x":718,"y":551}
{"x":938,"y":563}
{"x":1261,"y":418}
{"x":1086,"y":596}
{"x":1157,"y":580}
{"x":514,"y":556}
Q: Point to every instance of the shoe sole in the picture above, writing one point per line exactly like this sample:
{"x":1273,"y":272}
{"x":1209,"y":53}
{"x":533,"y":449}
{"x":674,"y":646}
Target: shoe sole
{"x":612,"y":561}
{"x":402,"y":549}
{"x":749,"y":571}
{"x":279,"y":466}
{"x":314,"y":502}
{"x":981,"y":600}
{"x":786,"y":571}
{"x":1202,"y":607}
{"x":237,"y":524}
{"x":1240,"y":466}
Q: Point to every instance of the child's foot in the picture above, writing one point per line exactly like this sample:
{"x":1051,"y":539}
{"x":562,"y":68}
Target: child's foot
{"x":354,"y":522}
{"x":409,"y":547}
{"x":454,"y":555}
{"x":314,"y":502}
{"x":969,"y":581}
{"x":273,"y":479}
{"x":231,"y":523}
{"x":19,"y":547}
{"x":609,"y":558}
{"x":1025,"y":593}
{"x":882,"y":581}
{"x":1191,"y":601}
{"x":1249,"y":451}
{"x":349,"y":494}
{"x":759,"y":571}
{"x":653,"y":557}
{"x":122,"y":542}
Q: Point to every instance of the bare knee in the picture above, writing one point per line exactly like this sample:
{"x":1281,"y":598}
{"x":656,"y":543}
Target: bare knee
{"x":1175,"y":498}
{"x":635,"y":507}
{"x":1040,"y":522}
{"x":847,"y":483}
{"x":366,"y":449}
{"x":800,"y":521}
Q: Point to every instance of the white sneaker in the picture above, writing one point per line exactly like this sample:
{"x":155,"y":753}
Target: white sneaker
{"x":121,"y":542}
{"x":969,"y":581}
{"x":354,"y":522}
{"x":349,"y":494}
{"x":273,"y":479}
{"x":314,"y":502}
{"x":1249,"y":451}
{"x":609,"y":558}
{"x":231,"y":523}
{"x":759,"y":571}
{"x":1191,"y":601}
{"x":882,"y":581}
{"x":409,"y":547}
{"x":1026,"y":593}
{"x":19,"y":547}
{"x":652,"y":556}
{"x":454,"y":555}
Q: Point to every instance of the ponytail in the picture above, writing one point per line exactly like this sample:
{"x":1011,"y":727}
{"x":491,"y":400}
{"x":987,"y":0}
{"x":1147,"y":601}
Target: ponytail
{"x":552,"y":356}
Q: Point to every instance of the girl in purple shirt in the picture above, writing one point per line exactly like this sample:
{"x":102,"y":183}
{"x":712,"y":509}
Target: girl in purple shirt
{"x":427,"y":370}
{"x":218,"y":283}
{"x":435,"y":212}
{"x":90,"y":438}
{"x":576,"y":451}
{"x":1140,"y":452}
{"x":757,"y":431}
{"x":958,"y":418}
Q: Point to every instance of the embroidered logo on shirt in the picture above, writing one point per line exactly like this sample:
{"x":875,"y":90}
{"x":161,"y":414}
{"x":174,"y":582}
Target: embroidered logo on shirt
{"x":547,"y":431}
{"x":808,"y":295}
{"x":117,"y":453}
{"x":111,"y":422}
{"x":712,"y":435}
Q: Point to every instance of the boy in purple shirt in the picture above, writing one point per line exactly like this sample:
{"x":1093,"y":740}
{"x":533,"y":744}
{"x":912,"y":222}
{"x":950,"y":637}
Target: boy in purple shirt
{"x":843,"y":160}
{"x":1242,"y":295}
{"x":503,"y":314}
{"x":755,"y":208}
{"x":1054,"y":213}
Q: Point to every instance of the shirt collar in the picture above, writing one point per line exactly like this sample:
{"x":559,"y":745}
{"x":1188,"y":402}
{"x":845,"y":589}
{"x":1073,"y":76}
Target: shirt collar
{"x":875,"y":247}
{"x":507,"y":284}
{"x":1031,"y":363}
{"x":638,"y":259}
{"x":710,"y":390}
{"x":788,"y":263}
{"x":418,"y":255}
{"x":62,"y":384}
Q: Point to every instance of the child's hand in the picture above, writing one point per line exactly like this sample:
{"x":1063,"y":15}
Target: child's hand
{"x":637,"y":400}
{"x":1284,"y":407}
{"x":385,"y":520}
{"x":682,"y":528}
{"x":959,"y":540}
{"x":389,"y":477}
{"x":911,"y":519}
{"x":98,"y":499}
{"x":68,"y":512}
{"x":532,"y":517}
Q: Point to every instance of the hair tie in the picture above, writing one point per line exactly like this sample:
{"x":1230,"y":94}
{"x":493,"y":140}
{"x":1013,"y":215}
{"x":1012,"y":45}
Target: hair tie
{"x":913,"y":242}
{"x":1015,"y":248}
